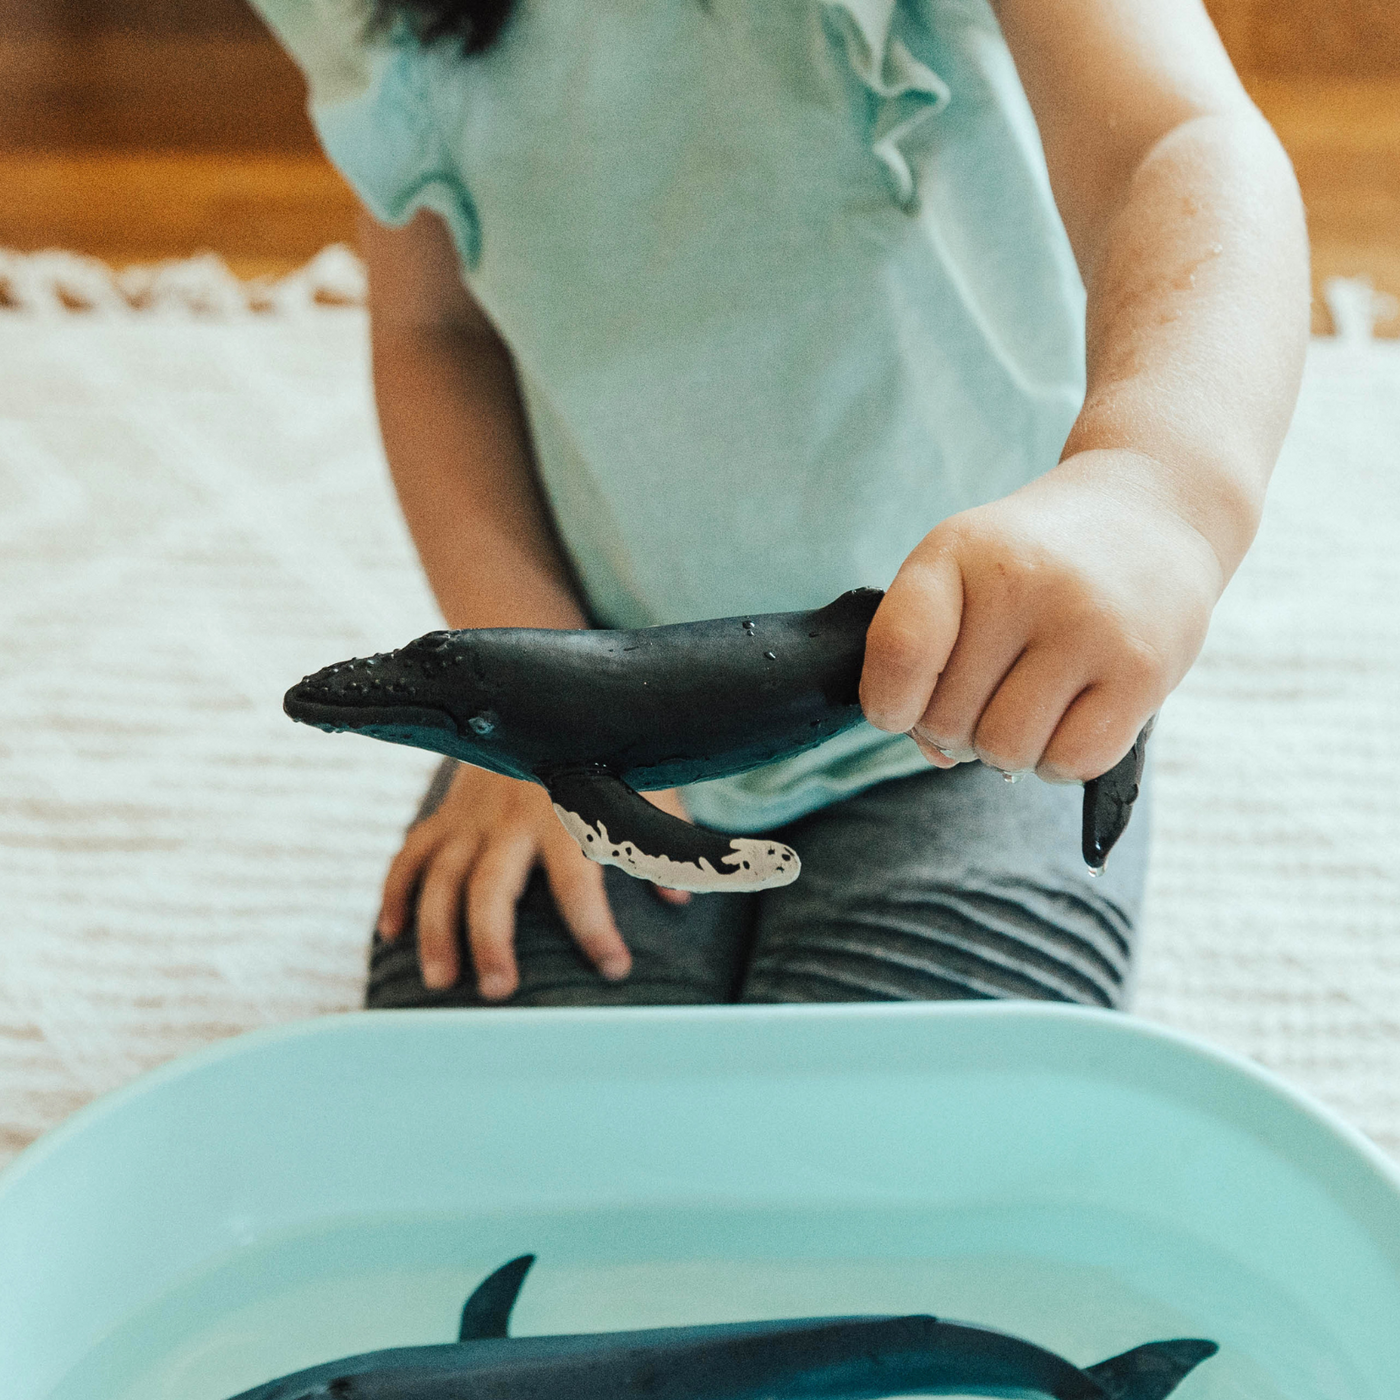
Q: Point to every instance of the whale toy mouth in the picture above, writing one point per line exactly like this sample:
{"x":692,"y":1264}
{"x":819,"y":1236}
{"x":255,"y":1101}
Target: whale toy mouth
{"x":379,"y":696}
{"x":367,"y":719}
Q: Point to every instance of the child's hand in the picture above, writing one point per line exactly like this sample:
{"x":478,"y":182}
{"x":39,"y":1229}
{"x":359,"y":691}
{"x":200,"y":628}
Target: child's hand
{"x":1041,"y":631}
{"x":472,"y":858}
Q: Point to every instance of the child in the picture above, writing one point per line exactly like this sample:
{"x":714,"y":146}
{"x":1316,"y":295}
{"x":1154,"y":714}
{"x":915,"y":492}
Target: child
{"x":691,"y":308}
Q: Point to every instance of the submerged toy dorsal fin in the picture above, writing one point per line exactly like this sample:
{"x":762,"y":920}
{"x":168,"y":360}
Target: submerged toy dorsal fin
{"x":487,"y":1312}
{"x":1153,"y":1371}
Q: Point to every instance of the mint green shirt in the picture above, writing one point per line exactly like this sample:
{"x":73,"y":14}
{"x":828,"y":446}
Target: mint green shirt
{"x":783,"y":281}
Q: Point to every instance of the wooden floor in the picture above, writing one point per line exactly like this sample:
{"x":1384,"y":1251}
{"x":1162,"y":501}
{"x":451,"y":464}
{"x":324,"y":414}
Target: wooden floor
{"x":137,"y":130}
{"x":1344,"y":137}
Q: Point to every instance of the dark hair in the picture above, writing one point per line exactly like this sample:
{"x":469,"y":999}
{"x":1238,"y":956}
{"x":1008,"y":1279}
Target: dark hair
{"x":473,"y":23}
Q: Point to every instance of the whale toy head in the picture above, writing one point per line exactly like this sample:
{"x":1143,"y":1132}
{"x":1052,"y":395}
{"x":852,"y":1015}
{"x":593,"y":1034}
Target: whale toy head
{"x":435,"y":693}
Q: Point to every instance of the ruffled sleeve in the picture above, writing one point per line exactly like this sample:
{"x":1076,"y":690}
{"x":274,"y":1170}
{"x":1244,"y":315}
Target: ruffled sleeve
{"x":368,"y":99}
{"x":905,"y":93}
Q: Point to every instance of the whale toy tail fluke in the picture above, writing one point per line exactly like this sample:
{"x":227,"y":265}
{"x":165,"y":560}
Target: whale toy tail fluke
{"x":1153,"y":1371}
{"x":1108,"y":801}
{"x":487,"y":1312}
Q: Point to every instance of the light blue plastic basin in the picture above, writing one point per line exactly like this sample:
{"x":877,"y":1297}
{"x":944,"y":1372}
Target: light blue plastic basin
{"x":1081,"y":1178}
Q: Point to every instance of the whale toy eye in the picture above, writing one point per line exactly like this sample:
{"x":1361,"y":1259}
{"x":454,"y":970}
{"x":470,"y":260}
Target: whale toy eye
{"x":482,"y":724}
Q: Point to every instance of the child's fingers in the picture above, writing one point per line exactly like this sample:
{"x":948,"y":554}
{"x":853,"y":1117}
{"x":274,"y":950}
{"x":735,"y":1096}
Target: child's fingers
{"x":1018,"y":721}
{"x":1097,"y":729}
{"x":440,"y":913}
{"x":496,"y":883}
{"x":399,"y":882}
{"x":670,"y":896}
{"x":910,"y":639}
{"x":980,"y":663}
{"x":582,"y":900}
{"x":939,"y":758}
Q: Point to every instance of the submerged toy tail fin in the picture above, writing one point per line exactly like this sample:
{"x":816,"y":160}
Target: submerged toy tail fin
{"x":487,"y":1311}
{"x":1153,"y":1371}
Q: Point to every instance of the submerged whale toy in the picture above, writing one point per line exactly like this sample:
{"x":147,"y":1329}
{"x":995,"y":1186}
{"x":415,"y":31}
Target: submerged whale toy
{"x":818,"y":1358}
{"x":600,"y":716}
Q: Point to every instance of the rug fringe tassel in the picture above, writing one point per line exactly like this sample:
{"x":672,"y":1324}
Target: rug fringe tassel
{"x":1356,"y":307}
{"x":56,"y":283}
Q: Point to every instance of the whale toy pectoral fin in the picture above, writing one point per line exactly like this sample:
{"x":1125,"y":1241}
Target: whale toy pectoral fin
{"x":1109,"y":798}
{"x":487,"y":1312}
{"x":614,"y":825}
{"x":1153,"y":1371}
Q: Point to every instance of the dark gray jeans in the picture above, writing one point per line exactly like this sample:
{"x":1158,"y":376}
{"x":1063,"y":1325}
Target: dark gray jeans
{"x":948,"y":885}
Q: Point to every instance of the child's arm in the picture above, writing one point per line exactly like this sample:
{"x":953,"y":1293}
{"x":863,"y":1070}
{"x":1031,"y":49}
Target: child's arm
{"x":454,"y":433}
{"x":455,"y":437}
{"x":1042,"y":630}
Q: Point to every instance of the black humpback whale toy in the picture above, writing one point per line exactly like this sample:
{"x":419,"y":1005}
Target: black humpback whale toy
{"x":817,"y":1358}
{"x":599,"y":716}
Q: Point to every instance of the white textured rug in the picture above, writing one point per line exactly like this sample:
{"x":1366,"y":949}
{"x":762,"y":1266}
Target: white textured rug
{"x":194,"y":512}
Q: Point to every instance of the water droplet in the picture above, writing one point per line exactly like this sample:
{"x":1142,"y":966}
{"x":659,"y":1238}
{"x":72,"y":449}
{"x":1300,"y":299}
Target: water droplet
{"x":481,"y":724}
{"x":770,"y":655}
{"x":1095,"y":871}
{"x":1011,"y":777}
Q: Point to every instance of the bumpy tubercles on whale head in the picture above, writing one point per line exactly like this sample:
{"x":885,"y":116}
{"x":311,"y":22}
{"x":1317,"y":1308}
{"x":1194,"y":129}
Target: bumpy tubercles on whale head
{"x":412,"y":673}
{"x":356,"y":682}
